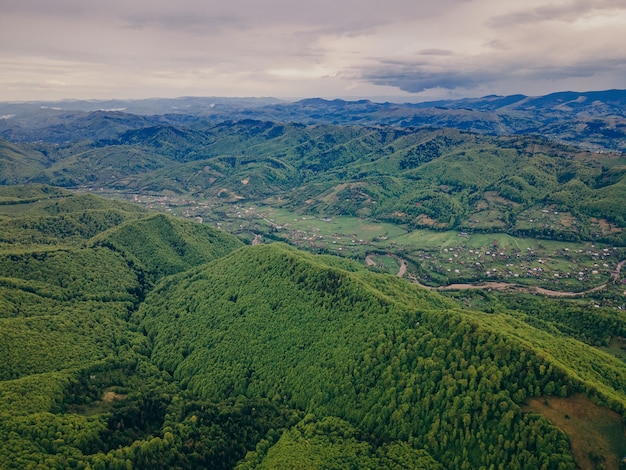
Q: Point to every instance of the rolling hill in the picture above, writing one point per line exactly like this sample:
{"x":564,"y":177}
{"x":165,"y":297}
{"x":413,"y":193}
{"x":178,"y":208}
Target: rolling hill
{"x":131,"y":338}
{"x":419,"y":177}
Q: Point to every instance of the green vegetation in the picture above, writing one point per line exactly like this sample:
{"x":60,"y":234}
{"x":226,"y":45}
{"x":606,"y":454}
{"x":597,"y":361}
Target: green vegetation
{"x":422,"y":178}
{"x":393,"y":360}
{"x":133,"y":339}
{"x":333,"y":443}
{"x":161,"y":245}
{"x":77,"y":387}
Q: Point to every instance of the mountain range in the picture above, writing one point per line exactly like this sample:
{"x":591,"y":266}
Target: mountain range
{"x":475,"y":318}
{"x":419,"y":177}
{"x":592,"y":120}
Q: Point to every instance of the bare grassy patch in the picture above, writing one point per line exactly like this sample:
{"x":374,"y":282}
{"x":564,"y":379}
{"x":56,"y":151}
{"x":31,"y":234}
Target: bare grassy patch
{"x":596,"y":433}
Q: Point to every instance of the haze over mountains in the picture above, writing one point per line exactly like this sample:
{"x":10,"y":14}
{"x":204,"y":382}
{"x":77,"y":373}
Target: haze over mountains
{"x":593,"y":120}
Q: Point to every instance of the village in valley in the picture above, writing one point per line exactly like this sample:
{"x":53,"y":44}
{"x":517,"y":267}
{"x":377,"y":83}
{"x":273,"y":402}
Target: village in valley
{"x":436,"y":259}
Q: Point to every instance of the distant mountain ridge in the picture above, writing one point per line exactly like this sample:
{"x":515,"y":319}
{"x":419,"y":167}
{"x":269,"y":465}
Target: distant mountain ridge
{"x":594,"y":120}
{"x":615,"y":99}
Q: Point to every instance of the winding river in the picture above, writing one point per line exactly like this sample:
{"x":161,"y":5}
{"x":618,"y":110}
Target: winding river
{"x":505,"y":286}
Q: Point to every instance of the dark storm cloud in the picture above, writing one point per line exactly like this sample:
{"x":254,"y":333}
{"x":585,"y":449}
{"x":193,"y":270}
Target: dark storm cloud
{"x":416,"y":78}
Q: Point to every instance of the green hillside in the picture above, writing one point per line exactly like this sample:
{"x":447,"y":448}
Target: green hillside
{"x":18,"y":163}
{"x":161,"y":245}
{"x":64,"y":332}
{"x":333,"y":443}
{"x":393,"y":360}
{"x":137,"y":340}
{"x":431,"y":178}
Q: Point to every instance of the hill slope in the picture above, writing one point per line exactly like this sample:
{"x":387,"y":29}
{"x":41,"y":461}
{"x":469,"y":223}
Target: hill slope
{"x":64,"y":332}
{"x":424,"y":178}
{"x":161,"y":245}
{"x":395,"y":361}
{"x":266,"y":356}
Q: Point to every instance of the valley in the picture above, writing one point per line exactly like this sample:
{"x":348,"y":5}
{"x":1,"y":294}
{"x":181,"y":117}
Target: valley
{"x":351,"y":288}
{"x":445,"y":260}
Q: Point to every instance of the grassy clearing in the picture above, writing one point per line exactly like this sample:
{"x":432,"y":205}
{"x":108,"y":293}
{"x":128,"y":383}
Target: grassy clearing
{"x":596,"y":433}
{"x":96,"y":407}
{"x":617,"y":348}
{"x":389,"y":264}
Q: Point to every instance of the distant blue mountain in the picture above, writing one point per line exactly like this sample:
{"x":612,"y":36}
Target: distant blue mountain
{"x":595,"y":120}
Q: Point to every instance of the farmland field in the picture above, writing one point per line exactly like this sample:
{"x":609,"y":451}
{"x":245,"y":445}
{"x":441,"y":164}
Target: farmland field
{"x":433,"y":258}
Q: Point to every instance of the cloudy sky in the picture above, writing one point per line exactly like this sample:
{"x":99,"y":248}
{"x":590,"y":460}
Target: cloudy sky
{"x":412,"y":49}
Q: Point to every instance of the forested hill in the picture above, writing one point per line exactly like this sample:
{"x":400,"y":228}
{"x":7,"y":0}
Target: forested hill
{"x":160,"y":245}
{"x":65,"y":300}
{"x":137,"y":340}
{"x":418,"y":177}
{"x":393,"y":360}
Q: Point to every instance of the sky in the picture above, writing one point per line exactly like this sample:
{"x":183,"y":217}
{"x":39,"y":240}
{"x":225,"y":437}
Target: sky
{"x":407,"y":50}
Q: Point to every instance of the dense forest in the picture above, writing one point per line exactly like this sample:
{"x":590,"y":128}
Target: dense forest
{"x":133,"y":339}
{"x":419,"y":177}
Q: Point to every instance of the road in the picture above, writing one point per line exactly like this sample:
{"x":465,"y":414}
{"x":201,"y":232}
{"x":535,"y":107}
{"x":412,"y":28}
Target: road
{"x":505,"y":286}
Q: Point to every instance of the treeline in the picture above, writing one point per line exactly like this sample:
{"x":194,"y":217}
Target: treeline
{"x":595,"y":326}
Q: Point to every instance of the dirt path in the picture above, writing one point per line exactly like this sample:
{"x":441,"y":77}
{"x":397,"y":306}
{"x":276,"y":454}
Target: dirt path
{"x":618,"y":270}
{"x":482,"y":285}
{"x":369,"y":261}
{"x":402,"y":270}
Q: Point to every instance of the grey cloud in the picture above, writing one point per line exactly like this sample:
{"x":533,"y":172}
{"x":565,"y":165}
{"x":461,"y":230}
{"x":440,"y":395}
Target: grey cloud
{"x":343,"y":16}
{"x":419,"y":76}
{"x":567,"y":12}
{"x":440,"y":52}
{"x":416,"y":78}
{"x":582,"y":69}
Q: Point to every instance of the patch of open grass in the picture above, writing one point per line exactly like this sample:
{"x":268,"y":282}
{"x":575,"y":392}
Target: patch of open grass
{"x":617,"y":348}
{"x":596,"y":433}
